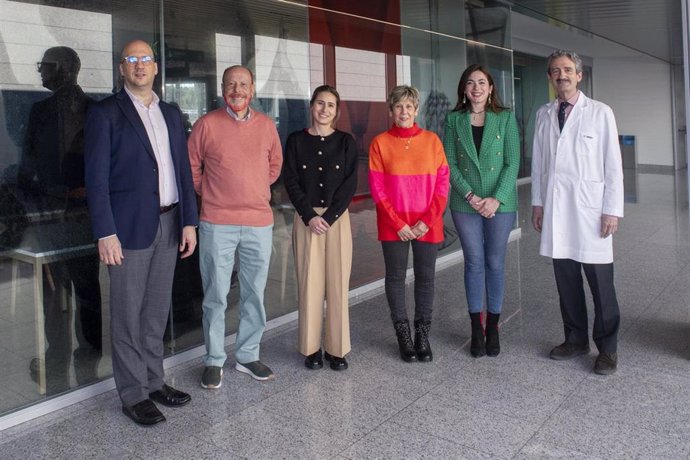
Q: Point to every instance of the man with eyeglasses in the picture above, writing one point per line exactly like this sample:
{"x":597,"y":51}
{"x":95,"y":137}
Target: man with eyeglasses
{"x":235,"y":155}
{"x":143,"y":209}
{"x":51,"y":173}
{"x":577,"y":199}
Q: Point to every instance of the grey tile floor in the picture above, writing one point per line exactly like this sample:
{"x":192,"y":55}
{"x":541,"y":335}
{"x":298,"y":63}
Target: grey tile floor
{"x":518,"y":405}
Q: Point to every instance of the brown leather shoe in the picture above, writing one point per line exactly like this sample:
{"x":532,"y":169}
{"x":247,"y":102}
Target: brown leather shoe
{"x":606,"y":363}
{"x":568,"y":350}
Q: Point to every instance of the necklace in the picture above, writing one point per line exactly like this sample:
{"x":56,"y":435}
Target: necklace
{"x":407,"y":141}
{"x":478,"y":117}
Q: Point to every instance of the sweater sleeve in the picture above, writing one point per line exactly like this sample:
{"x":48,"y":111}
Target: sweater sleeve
{"x":344,"y":193}
{"x":511,"y":160}
{"x":195,"y":145}
{"x":457,"y":181}
{"x":537,"y":152}
{"x":377,"y":185}
{"x":275,"y":155}
{"x":440,"y":195}
{"x":291,"y":180}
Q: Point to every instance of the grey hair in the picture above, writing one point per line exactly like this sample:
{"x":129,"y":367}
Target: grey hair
{"x":572,"y":55}
{"x":403,"y":92}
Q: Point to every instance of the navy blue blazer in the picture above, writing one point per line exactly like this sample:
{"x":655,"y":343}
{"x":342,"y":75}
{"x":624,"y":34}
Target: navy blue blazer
{"x":122,"y":172}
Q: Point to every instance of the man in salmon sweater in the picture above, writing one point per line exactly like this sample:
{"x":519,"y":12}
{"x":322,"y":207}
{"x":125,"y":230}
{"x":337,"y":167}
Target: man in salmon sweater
{"x":235,"y":156}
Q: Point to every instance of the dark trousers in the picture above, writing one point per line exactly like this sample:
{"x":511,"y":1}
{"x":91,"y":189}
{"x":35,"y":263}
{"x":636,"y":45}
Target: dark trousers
{"x":395,"y":254}
{"x":574,"y":309}
{"x":140,"y":298}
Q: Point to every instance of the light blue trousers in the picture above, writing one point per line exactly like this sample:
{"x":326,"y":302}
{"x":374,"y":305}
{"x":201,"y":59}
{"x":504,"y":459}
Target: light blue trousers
{"x":217,"y":247}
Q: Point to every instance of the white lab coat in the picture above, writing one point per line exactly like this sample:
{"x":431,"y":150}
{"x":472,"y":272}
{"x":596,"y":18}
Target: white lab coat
{"x":577,"y":175}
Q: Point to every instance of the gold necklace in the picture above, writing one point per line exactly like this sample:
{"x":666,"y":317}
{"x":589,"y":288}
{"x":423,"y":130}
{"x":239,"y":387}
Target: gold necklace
{"x":477,"y":117}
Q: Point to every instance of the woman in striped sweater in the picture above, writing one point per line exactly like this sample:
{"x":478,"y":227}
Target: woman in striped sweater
{"x":408,"y":178}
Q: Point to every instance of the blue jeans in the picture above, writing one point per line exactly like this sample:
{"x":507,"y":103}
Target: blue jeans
{"x":217,"y":247}
{"x":484,"y":243}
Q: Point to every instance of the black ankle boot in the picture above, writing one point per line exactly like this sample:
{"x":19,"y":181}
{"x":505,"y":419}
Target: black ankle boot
{"x":477,"y":348}
{"x":493,"y":346}
{"x":421,"y":340}
{"x":402,"y":331}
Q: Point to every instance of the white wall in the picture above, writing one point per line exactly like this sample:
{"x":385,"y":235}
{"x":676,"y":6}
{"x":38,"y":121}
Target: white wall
{"x":639,"y":92}
{"x":636,"y":86}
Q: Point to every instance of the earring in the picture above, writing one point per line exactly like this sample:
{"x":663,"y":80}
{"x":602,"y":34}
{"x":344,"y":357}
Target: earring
{"x":488,"y":100}
{"x":464,"y":101}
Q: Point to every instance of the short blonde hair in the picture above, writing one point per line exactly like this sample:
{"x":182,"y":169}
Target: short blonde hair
{"x":403,"y":92}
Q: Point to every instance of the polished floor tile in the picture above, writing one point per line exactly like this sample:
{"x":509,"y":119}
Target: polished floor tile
{"x":518,"y":405}
{"x":394,"y":441}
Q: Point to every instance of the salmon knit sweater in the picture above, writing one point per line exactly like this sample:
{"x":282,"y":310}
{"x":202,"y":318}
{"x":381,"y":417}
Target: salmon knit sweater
{"x":234,"y":164}
{"x":408,"y":184}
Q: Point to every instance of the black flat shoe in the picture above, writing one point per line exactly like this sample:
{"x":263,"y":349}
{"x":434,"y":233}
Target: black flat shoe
{"x":314,"y":360}
{"x":337,"y":364}
{"x":168,"y":396}
{"x":144,"y":413}
{"x":569,"y":350}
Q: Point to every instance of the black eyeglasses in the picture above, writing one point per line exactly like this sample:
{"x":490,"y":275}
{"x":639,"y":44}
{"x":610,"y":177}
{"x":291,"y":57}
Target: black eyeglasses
{"x":132,"y":60}
{"x":40,"y":65}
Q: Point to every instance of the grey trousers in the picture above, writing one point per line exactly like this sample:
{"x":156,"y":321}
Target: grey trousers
{"x":140,"y":298}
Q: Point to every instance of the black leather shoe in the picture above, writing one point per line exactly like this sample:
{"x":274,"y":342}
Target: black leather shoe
{"x":477,"y":344}
{"x":168,"y":396}
{"x":337,"y":364}
{"x":144,"y":413}
{"x":405,"y":344}
{"x":606,"y":363}
{"x":314,"y":360}
{"x":568,"y":350}
{"x":421,"y":341}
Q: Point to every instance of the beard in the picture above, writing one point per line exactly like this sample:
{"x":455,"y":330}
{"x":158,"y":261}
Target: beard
{"x":239,"y":105}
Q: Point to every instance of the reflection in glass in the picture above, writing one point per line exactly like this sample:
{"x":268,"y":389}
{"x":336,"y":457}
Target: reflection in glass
{"x":51,"y":175}
{"x":293,"y":47}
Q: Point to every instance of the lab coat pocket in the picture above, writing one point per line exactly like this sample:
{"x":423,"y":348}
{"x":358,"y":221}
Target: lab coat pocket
{"x":591,"y":194}
{"x":586,"y":144}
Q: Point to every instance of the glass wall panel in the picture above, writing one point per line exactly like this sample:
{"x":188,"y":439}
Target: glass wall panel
{"x":271,"y":38}
{"x":55,"y":57}
{"x":532,"y":90}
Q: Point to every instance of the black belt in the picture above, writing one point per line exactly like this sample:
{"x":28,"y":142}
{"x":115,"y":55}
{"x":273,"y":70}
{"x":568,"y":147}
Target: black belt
{"x":165,"y":209}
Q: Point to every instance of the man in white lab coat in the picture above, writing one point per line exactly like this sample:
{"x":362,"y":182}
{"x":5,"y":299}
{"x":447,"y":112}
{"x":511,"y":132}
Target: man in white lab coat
{"x":577,"y":199}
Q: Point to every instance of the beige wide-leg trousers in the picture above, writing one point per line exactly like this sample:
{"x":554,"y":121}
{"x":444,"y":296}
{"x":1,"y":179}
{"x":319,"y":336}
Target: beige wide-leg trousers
{"x":323,"y":264}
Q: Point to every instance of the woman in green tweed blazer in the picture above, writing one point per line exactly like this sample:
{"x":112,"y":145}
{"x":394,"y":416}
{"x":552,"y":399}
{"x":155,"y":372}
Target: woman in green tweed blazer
{"x":483,"y":149}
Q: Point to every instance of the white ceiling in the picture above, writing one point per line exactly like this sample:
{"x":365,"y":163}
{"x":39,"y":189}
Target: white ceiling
{"x":652,"y":27}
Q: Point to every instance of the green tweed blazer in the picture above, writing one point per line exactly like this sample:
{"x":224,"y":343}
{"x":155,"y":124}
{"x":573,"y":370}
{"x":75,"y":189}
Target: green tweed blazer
{"x":491,"y":172}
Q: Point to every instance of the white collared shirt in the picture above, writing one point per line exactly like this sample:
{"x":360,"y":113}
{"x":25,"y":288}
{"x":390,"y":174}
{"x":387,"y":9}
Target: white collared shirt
{"x":157,"y":131}
{"x":234,"y":115}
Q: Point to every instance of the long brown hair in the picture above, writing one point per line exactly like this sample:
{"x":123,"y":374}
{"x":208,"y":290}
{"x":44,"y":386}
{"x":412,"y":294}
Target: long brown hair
{"x":334,"y":92}
{"x":493,"y":103}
